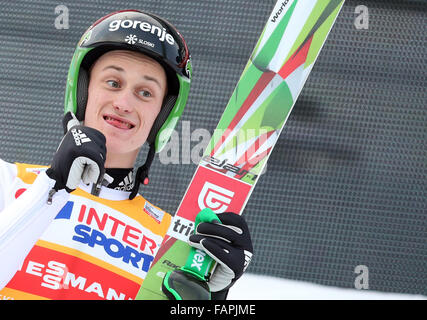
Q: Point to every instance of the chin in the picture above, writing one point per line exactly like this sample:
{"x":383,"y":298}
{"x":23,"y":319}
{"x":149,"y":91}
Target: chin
{"x":117,"y":147}
{"x":120,"y":147}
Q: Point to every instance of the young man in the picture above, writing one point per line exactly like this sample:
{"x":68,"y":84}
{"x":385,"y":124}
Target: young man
{"x":79,"y":229}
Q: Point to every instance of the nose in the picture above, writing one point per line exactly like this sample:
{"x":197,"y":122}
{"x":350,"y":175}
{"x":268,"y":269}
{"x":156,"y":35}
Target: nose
{"x":123,"y":102}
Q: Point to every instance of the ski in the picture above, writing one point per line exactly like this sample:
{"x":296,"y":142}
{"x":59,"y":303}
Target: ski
{"x":249,"y":127}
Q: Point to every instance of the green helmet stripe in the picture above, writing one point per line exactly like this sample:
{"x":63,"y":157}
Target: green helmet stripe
{"x":73,"y":76}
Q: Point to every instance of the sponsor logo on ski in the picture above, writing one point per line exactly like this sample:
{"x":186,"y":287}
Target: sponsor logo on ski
{"x":161,"y":33}
{"x":224,"y":165}
{"x":79,"y":137}
{"x":169,"y":264}
{"x":214,"y":197}
{"x":181,"y":228}
{"x":279,"y":12}
{"x":214,"y":190}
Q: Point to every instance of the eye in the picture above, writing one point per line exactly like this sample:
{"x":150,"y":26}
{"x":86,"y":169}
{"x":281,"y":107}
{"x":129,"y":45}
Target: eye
{"x":113,"y":83}
{"x":144,"y":93}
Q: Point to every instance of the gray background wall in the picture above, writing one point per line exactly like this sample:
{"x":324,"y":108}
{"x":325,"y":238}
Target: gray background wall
{"x":346,"y":183}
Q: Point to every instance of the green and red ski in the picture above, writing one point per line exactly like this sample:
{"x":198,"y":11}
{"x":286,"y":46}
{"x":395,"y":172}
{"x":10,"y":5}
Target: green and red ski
{"x":249,"y":127}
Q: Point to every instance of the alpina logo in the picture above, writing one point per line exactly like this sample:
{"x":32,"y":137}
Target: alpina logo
{"x":214,"y":197}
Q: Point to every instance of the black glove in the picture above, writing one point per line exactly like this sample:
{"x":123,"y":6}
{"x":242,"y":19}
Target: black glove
{"x":79,"y":157}
{"x":229,"y":244}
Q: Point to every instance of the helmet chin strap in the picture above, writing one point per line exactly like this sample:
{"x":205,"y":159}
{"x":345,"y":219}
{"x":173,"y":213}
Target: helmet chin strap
{"x":142,"y":172}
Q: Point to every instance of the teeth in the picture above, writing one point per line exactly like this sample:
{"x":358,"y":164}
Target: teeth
{"x":128,"y":125}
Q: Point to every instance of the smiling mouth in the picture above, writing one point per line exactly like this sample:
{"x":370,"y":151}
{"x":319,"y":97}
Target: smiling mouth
{"x":118,"y":123}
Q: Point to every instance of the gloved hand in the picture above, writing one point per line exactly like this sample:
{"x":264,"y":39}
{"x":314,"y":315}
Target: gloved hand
{"x":229,"y":244}
{"x":80,"y":156}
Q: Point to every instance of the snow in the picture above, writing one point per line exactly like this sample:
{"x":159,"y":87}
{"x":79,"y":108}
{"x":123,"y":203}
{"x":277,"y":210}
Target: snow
{"x":260,"y":287}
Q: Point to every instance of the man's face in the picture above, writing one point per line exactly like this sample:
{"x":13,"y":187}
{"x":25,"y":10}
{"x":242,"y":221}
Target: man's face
{"x":125,"y":95}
